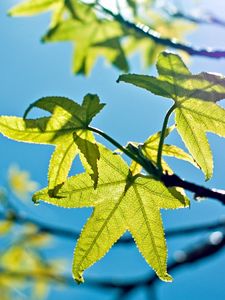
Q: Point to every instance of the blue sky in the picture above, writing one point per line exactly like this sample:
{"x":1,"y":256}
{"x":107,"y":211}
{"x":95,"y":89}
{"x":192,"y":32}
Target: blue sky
{"x":30,"y":70}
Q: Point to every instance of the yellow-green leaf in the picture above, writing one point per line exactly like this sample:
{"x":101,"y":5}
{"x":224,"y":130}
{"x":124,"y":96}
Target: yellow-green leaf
{"x":150,"y":150}
{"x":66,"y":118}
{"x":98,"y":38}
{"x":90,"y":153}
{"x":121,"y":202}
{"x":196,"y":112}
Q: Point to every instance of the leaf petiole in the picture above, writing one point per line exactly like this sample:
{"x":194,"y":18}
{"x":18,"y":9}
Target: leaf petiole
{"x":113,"y":142}
{"x":162,"y":137}
{"x":134,"y":154}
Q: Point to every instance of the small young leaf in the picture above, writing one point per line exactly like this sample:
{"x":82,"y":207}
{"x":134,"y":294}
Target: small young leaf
{"x":121,"y":202}
{"x":150,"y":150}
{"x":195,"y":109}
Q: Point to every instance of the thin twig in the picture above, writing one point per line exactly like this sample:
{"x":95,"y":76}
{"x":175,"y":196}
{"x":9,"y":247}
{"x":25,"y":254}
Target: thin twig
{"x":155,"y":36}
{"x":194,"y":18}
{"x":212,"y":245}
{"x":169,"y":180}
{"x":73,"y":234}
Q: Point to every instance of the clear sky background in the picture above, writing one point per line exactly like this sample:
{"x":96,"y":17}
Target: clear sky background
{"x":30,"y":70}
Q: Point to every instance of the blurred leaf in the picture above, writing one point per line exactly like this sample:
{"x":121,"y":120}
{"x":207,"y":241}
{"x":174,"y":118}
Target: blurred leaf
{"x":133,"y":5}
{"x":3,"y":196}
{"x":40,"y":290}
{"x":148,"y":49}
{"x":5,"y":226}
{"x":92,"y":40}
{"x":32,"y":7}
{"x":20,"y":182}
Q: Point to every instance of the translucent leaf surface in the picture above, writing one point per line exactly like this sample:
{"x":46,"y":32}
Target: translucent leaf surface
{"x":195,"y":109}
{"x":150,"y":150}
{"x":67,"y":117}
{"x":122,"y":202}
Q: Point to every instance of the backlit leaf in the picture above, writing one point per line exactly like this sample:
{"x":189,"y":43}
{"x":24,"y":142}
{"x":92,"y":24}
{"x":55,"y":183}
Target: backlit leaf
{"x":150,"y":150}
{"x":66,"y":118}
{"x":89,"y":149}
{"x":195,"y":109}
{"x":122,"y":202}
{"x":92,"y":40}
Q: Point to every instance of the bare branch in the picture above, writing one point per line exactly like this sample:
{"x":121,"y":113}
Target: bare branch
{"x":212,"y":245}
{"x":199,"y":191}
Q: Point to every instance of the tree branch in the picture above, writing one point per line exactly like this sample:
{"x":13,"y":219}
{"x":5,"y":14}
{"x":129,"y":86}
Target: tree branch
{"x":155,"y":36}
{"x":72,"y":234}
{"x":212,"y":245}
{"x":170,"y":180}
{"x":197,"y":19}
{"x":199,"y":191}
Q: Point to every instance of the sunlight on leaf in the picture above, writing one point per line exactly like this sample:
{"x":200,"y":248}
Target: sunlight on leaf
{"x":196,"y":112}
{"x":122,"y":202}
{"x":67,"y":117}
{"x":150,"y":150}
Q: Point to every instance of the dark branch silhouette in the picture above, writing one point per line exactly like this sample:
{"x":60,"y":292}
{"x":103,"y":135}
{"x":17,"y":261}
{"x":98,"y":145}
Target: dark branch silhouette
{"x":199,"y":191}
{"x":73,"y":234}
{"x":155,"y":36}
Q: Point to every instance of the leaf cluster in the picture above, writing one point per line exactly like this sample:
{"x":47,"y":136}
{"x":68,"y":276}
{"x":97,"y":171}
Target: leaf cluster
{"x":123,"y":197}
{"x":95,"y":32}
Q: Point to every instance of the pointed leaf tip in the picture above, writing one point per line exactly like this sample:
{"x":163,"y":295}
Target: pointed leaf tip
{"x":167,"y":278}
{"x":118,"y":79}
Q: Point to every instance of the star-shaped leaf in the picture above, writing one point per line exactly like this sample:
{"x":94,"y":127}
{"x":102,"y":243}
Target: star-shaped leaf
{"x":195,"y":109}
{"x":93,"y":38}
{"x":122,"y":202}
{"x":67,"y":118}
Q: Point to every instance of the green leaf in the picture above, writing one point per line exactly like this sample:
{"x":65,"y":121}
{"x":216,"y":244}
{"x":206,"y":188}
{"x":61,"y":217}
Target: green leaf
{"x":67,"y":117}
{"x":195,"y":109}
{"x":122,"y":202}
{"x":32,"y":7}
{"x":90,"y":152}
{"x":98,"y":38}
